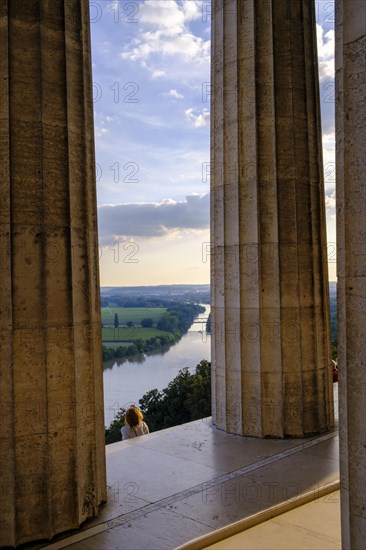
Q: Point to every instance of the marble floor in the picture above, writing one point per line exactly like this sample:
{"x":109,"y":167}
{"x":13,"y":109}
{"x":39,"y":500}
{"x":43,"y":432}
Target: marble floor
{"x":315,"y":525}
{"x":169,"y":487}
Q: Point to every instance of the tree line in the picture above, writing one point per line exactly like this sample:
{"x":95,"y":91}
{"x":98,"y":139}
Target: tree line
{"x":158,"y":301}
{"x":138,"y":346}
{"x":176,"y":321}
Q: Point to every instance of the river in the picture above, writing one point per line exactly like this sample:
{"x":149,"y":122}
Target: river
{"x":125,"y":383}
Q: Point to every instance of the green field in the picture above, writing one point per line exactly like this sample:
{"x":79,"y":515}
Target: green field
{"x":124,"y":334}
{"x":135,"y":314}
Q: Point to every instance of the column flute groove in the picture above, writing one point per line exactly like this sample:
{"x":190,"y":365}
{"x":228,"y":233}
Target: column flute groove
{"x":350,"y":65}
{"x":274,"y":379}
{"x":51,"y":378}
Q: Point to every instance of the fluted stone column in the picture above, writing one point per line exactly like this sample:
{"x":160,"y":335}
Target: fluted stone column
{"x":52,"y":451}
{"x":351,"y":258}
{"x":270,"y":344}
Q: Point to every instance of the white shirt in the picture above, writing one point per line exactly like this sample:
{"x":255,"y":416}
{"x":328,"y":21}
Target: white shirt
{"x":129,"y":433}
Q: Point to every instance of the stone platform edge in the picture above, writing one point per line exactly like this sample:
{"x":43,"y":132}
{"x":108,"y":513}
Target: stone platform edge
{"x":242,"y":525}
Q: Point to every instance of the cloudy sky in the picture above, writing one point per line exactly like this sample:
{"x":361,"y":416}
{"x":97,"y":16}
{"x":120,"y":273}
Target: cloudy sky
{"x":151,"y":68}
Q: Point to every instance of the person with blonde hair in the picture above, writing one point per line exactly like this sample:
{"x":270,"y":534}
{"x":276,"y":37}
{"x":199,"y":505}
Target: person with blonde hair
{"x":134,"y":424}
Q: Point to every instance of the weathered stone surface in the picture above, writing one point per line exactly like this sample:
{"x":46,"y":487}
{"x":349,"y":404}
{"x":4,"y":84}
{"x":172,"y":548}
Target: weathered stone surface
{"x":271,"y":343}
{"x":351,"y":254}
{"x":52,"y":423}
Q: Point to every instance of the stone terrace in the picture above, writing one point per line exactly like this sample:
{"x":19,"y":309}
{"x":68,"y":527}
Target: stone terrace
{"x":172,"y":486}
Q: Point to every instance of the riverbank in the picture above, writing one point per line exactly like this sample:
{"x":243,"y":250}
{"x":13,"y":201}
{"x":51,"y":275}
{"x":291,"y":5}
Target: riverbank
{"x":127,"y":380}
{"x":172,"y":324}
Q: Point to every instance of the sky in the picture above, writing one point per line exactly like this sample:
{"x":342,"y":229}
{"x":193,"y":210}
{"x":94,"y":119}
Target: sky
{"x":151,"y":72}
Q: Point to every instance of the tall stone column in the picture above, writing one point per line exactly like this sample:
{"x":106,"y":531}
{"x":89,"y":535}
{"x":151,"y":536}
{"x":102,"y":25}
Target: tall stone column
{"x":271,"y":344}
{"x":52,"y":450}
{"x":351,"y":259}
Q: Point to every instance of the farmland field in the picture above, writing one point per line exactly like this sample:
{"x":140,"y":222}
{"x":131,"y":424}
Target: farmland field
{"x":135,"y":314}
{"x":124,"y":334}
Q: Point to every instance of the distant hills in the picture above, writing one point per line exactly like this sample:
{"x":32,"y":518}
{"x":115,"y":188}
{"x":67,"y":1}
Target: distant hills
{"x":194,"y":293}
{"x":158,"y":290}
{"x":171,"y":290}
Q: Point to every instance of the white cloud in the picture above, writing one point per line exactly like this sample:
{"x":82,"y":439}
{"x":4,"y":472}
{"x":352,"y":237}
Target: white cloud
{"x":325,"y":53}
{"x":197,"y":119}
{"x":157,"y":73}
{"x":100,"y":131}
{"x":152,"y":219}
{"x":175,"y":94}
{"x":101,"y":123}
{"x":183,"y":44}
{"x":169,"y":14}
{"x":165,"y":32}
{"x":164,"y":14}
{"x":330,"y":202}
{"x":192,"y":9}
